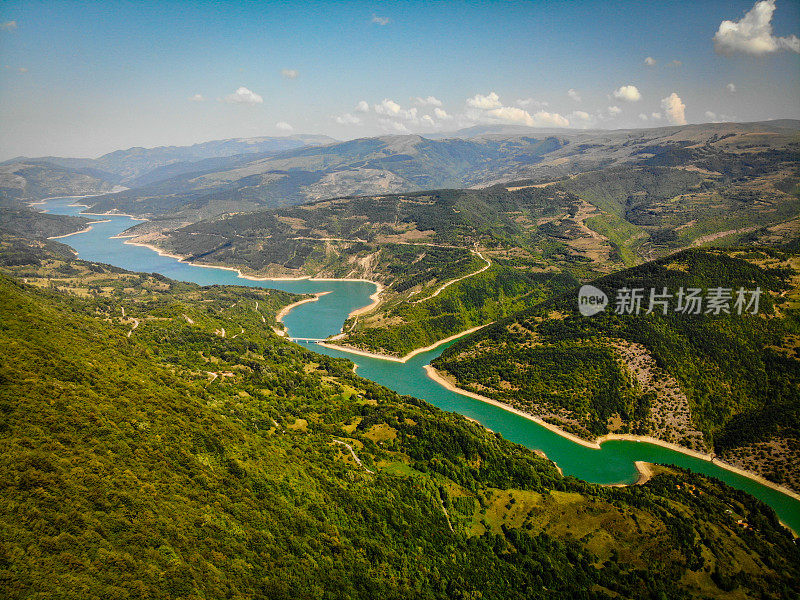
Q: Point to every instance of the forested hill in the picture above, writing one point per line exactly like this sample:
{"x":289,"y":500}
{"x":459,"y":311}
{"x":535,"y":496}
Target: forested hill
{"x":730,"y":382}
{"x":181,"y":449}
{"x":732,"y":187}
{"x":407,"y":163}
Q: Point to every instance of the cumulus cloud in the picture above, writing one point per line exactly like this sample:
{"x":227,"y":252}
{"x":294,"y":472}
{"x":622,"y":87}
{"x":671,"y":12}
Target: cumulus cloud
{"x":484,"y":102}
{"x":347,"y":119}
{"x":387,"y":107}
{"x":362,"y":106}
{"x":8,"y":25}
{"x":441,"y":114}
{"x":283,"y":126}
{"x":197,"y":98}
{"x":731,"y":88}
{"x":574,"y":95}
{"x":642,"y":117}
{"x":582,"y":119}
{"x":629,"y":93}
{"x":650,"y":61}
{"x":392,"y":125}
{"x":526,"y":102}
{"x":674,"y":109}
{"x":656,"y":116}
{"x":428,"y":120}
{"x":718,"y":118}
{"x":614,"y":110}
{"x":752,"y":34}
{"x":289,"y":73}
{"x":429,"y":101}
{"x":380,"y":20}
{"x":512,"y":114}
{"x":243,"y":96}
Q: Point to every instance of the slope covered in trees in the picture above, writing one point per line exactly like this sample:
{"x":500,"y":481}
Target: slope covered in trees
{"x":176,"y":460}
{"x":707,"y":380}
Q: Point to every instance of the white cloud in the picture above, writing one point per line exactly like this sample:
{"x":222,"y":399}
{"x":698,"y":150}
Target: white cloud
{"x":289,"y":73}
{"x":387,"y":107}
{"x":614,"y":110}
{"x":428,"y":120}
{"x":347,"y":119}
{"x":718,"y":118}
{"x":526,"y":102}
{"x":582,"y":115}
{"x":283,"y":126}
{"x":731,"y":88}
{"x":429,"y":101}
{"x":650,"y":61}
{"x":362,"y":106}
{"x":656,"y":116}
{"x":642,"y":117}
{"x":441,"y":114}
{"x":391,"y":125}
{"x":484,"y":102}
{"x":380,"y":20}
{"x":674,"y":109}
{"x":512,"y":114}
{"x":628,"y":93}
{"x":243,"y":96}
{"x":197,"y":98}
{"x":752,"y":34}
{"x":8,"y":25}
{"x":574,"y":95}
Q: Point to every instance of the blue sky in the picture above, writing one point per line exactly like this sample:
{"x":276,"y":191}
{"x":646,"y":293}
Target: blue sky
{"x":84,"y":78}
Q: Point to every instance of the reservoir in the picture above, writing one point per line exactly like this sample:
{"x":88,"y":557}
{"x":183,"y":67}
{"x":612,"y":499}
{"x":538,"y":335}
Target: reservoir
{"x":612,"y":463}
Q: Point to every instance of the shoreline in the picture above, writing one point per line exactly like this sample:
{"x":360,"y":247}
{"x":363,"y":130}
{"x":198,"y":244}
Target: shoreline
{"x":85,"y":230}
{"x":407,"y":357}
{"x":438,"y":378}
{"x":184,"y":259}
{"x":288,"y":308}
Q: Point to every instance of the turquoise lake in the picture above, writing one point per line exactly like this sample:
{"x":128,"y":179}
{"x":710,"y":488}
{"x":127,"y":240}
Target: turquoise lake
{"x":613,"y":463}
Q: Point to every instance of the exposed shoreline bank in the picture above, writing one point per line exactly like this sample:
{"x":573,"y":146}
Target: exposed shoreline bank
{"x":403,"y":359}
{"x":184,"y":259}
{"x":288,"y":308}
{"x":87,"y":229}
{"x":643,"y":472}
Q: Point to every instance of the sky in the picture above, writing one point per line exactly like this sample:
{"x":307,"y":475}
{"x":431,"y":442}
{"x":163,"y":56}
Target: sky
{"x":85,"y":78}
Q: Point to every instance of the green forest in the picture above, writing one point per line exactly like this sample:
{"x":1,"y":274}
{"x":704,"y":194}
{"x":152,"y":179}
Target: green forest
{"x":181,"y":449}
{"x":739,"y":372}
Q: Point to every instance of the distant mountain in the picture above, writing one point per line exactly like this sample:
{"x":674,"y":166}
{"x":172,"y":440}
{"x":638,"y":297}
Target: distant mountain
{"x":407,"y":163}
{"x":24,"y":181}
{"x":379,"y":165}
{"x":47,"y":176}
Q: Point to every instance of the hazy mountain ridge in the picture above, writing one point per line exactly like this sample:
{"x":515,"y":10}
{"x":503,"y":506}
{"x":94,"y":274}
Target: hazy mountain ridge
{"x":406,"y":163}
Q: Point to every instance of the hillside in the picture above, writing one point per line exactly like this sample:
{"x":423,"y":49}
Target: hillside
{"x":36,"y":225}
{"x":22,"y":182}
{"x":407,"y":163}
{"x":24,"y":178}
{"x":455,"y":259}
{"x":727,"y":382}
{"x":145,"y":452}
